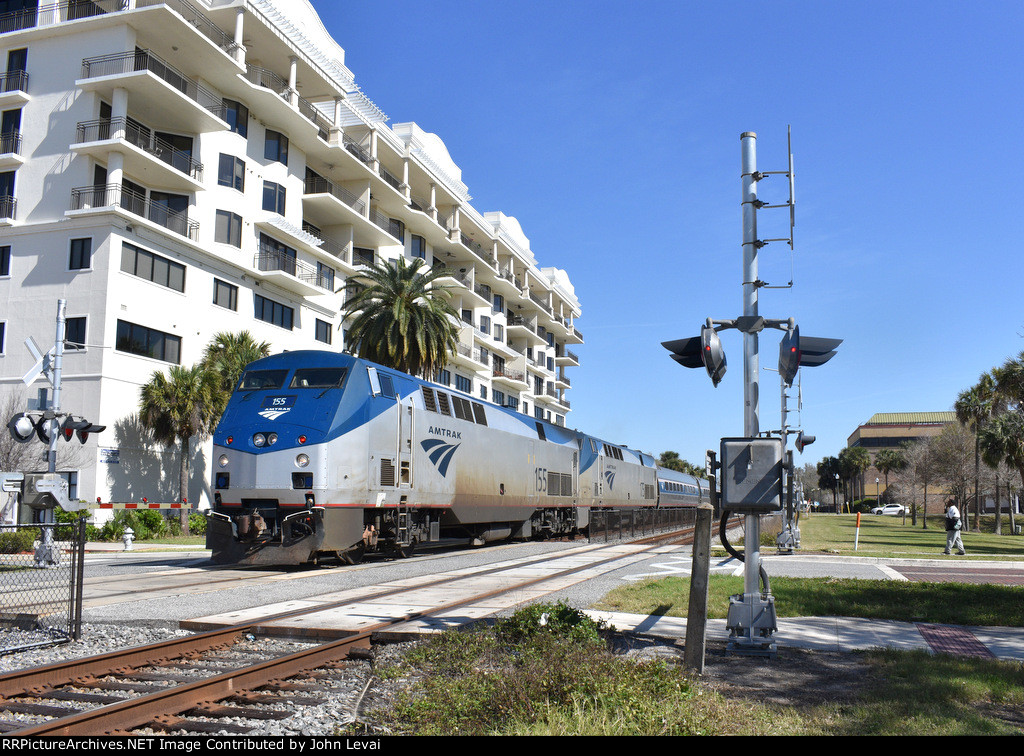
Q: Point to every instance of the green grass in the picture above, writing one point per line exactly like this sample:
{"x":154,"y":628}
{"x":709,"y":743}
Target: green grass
{"x":884,"y":536}
{"x":944,"y":603}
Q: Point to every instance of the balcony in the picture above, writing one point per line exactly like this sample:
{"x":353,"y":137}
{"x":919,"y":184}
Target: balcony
{"x":157,"y":88}
{"x":10,"y":150}
{"x":8,"y":208}
{"x":290,"y":273}
{"x":154,"y":160}
{"x":278,"y":86}
{"x":13,"y":89}
{"x":566,"y":357}
{"x":103,"y":198}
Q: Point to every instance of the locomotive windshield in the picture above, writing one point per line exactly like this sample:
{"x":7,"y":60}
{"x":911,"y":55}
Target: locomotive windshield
{"x":322,"y":378}
{"x":257,"y":380}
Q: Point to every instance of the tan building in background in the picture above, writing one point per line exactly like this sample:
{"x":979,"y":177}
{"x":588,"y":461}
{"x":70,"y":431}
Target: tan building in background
{"x":891,"y":430}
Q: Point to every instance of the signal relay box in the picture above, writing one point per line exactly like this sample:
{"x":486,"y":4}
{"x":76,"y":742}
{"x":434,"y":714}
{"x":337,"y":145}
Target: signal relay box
{"x":752,"y":475}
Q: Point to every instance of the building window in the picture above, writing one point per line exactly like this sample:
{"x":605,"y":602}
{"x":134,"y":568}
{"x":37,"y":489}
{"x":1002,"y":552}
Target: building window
{"x":325,"y":276}
{"x":273,"y":197}
{"x":499,"y":304}
{"x":273,"y":312}
{"x":152,"y":267}
{"x":74,"y":333}
{"x":323,"y":331}
{"x":3,"y":336}
{"x":276,"y":147}
{"x":444,"y":378}
{"x":237,"y":116}
{"x":397,"y":229}
{"x":419,"y":247}
{"x":81,"y":254}
{"x":485,"y":324}
{"x":5,"y":260}
{"x":228,"y":229}
{"x":463,"y":384}
{"x":147,"y":342}
{"x":231,"y":172}
{"x":225,"y":294}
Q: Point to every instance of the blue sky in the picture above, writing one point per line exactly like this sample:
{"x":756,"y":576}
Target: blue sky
{"x":611,"y":132}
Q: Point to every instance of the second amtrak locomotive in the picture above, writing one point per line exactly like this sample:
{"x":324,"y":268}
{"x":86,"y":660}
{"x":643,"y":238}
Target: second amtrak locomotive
{"x":321,"y":454}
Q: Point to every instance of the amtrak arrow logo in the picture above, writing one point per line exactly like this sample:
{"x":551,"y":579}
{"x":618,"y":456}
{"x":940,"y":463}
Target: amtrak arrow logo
{"x":610,"y":477}
{"x":440,"y":453}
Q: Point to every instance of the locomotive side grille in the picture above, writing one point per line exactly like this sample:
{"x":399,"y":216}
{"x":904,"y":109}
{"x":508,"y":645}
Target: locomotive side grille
{"x":559,"y":484}
{"x":428,"y":399}
{"x":387,"y":472}
{"x":481,"y":417}
{"x":463,"y":409}
{"x":442,"y":403}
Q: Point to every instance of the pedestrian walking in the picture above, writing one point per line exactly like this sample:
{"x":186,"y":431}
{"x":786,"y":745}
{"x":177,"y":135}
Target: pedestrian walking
{"x":953,"y":526}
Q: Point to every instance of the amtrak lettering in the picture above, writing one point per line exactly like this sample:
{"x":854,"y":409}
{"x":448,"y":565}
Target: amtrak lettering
{"x":444,"y":432}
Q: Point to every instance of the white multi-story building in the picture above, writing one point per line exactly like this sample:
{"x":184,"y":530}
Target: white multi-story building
{"x":178,"y":168}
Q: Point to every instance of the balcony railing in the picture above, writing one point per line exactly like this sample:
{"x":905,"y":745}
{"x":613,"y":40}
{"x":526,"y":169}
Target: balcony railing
{"x":512,"y":375}
{"x":264,"y":77}
{"x":14,"y":81}
{"x":195,"y":17}
{"x":356,"y":149}
{"x":268,"y":259}
{"x":8,"y":207}
{"x":52,"y":13}
{"x":114,"y":195}
{"x":381,"y":221}
{"x":320,"y":185}
{"x":143,"y":138}
{"x":390,"y":178}
{"x":10,"y":142}
{"x":144,"y":60}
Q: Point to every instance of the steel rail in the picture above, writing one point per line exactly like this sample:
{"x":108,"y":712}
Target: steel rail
{"x":136,"y":712}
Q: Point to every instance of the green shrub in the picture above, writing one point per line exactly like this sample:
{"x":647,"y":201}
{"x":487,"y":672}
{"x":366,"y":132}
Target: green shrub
{"x":18,"y":541}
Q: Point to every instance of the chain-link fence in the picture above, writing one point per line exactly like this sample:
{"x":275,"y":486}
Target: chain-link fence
{"x":614,"y":524}
{"x":41,"y":567}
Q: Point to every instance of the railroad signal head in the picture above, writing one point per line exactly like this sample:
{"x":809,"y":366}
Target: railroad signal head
{"x":802,"y":440}
{"x":22,"y":427}
{"x":712,"y":354}
{"x":700,"y":351}
{"x":79,"y":427}
{"x":789,"y":355}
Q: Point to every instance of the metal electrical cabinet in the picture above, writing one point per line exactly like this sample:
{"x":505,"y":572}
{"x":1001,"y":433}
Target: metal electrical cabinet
{"x":751,"y":475}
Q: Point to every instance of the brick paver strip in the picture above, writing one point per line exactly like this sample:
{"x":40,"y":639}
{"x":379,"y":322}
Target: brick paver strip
{"x":963,"y":574}
{"x":957,"y":641}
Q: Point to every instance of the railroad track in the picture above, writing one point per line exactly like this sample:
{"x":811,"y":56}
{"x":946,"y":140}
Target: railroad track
{"x":168,"y":692}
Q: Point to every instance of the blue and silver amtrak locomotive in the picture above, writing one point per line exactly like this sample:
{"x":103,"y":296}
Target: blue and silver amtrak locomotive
{"x":324,"y":455}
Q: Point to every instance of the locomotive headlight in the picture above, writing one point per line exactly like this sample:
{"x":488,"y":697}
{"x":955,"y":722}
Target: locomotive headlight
{"x":223,"y":461}
{"x":271,"y":439}
{"x":259,"y":440}
{"x":302,"y":460}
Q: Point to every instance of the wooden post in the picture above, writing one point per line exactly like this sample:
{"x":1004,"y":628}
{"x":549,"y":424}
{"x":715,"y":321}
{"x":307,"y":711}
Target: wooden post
{"x":697,"y":611}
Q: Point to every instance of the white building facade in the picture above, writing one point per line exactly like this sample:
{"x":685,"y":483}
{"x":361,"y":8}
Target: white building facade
{"x":177,"y":169}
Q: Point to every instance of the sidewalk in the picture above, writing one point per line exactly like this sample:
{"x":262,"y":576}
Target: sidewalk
{"x":93,"y":547}
{"x":847,"y":634}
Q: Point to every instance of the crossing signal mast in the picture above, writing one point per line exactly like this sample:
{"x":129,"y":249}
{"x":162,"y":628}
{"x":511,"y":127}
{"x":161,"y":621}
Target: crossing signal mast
{"x":754,"y":466}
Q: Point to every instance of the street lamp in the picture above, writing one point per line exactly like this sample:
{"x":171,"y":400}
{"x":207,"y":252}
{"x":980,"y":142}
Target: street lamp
{"x":878,"y":501}
{"x":835,"y":494}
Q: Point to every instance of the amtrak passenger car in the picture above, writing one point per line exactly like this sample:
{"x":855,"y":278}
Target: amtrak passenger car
{"x":321,"y":454}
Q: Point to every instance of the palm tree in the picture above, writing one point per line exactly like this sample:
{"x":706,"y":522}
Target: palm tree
{"x":178,"y":407}
{"x":973,"y":408}
{"x":887,"y":461}
{"x":1002,"y":440}
{"x":402,"y":318}
{"x":226,"y":356}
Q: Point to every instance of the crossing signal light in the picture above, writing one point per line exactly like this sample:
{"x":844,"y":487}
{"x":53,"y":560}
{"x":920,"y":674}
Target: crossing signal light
{"x":79,"y":427}
{"x":802,"y":440}
{"x":713,"y":354}
{"x":797,"y":351}
{"x":789,"y":355}
{"x":22,"y":427}
{"x":700,"y":351}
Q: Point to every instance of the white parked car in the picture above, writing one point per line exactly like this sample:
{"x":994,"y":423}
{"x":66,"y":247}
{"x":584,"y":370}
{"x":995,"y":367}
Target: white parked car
{"x":889,"y":509}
